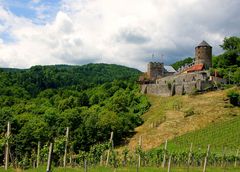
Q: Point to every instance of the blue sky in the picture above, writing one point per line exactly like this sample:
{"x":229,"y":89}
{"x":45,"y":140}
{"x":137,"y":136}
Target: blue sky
{"x":43,"y":32}
{"x":33,"y":8}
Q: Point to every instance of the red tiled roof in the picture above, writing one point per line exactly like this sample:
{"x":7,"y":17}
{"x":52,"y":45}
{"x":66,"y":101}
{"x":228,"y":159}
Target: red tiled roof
{"x":197,"y":67}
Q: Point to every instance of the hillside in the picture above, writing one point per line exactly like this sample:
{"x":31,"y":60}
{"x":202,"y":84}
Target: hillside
{"x":39,"y":78}
{"x":170,"y":117}
{"x":92,"y":100}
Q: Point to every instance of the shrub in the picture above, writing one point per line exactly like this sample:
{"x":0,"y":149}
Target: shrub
{"x":234,"y":97}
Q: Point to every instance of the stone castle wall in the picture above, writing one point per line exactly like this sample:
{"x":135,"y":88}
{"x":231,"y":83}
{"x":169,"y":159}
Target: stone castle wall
{"x":156,"y":89}
{"x":178,"y":84}
{"x":175,"y":89}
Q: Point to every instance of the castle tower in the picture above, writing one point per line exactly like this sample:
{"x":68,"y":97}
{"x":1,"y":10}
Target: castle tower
{"x":203,"y":54}
{"x":155,"y":69}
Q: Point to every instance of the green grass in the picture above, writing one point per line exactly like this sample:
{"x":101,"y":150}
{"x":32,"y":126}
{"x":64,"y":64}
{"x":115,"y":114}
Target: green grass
{"x":173,"y":117}
{"x":142,"y":169}
{"x":222,"y":134}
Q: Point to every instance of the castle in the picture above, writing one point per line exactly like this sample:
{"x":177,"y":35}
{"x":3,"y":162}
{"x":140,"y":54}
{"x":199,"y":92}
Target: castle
{"x":165,"y":81}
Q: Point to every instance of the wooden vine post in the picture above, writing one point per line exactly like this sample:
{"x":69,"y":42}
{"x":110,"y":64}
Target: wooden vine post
{"x":189,"y":155}
{"x":85,"y":165}
{"x":164,"y":156}
{"x":169,"y":163}
{"x":236,"y":158}
{"x":140,"y":147}
{"x":49,"y":163}
{"x":108,"y":153}
{"x":65,"y":150}
{"x":7,"y":146}
{"x":223,"y":156}
{"x":38,"y":154}
{"x":205,"y":161}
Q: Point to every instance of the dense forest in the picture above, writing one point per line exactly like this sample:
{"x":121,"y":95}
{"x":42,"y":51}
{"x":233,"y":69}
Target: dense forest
{"x":92,"y":100}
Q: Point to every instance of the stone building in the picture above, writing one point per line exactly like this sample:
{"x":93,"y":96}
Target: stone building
{"x":154,"y":70}
{"x":194,"y":77}
{"x":203,"y":54}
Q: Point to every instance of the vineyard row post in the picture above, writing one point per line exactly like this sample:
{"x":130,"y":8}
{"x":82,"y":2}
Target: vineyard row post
{"x":189,"y":156}
{"x":205,"y":161}
{"x":236,"y":158}
{"x":7,"y":148}
{"x":223,"y":155}
{"x":38,"y":153}
{"x":49,"y":163}
{"x":108,"y":153}
{"x":140,"y":146}
{"x":164,"y":156}
{"x":169,"y":163}
{"x":65,"y":150}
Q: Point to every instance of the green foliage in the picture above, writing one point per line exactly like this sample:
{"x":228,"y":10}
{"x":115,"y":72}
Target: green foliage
{"x":227,"y":64}
{"x":231,"y":43}
{"x":181,"y":63}
{"x":91,"y":100}
{"x":234,"y":97}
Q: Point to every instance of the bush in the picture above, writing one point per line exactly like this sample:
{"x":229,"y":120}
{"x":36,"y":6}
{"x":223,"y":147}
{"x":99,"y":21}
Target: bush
{"x":234,"y":97}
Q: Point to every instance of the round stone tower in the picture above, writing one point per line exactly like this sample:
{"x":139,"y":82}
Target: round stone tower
{"x":203,"y":54}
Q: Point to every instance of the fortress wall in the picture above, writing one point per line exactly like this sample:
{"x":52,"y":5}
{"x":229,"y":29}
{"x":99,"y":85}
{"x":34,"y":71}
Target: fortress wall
{"x":189,"y":87}
{"x":180,"y":79}
{"x":179,"y":89}
{"x":206,"y":84}
{"x":157,"y":89}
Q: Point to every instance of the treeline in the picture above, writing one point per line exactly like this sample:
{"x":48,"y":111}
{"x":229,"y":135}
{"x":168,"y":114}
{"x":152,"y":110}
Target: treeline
{"x":181,"y":63}
{"x":91,"y":100}
{"x":227,"y":64}
{"x":39,"y":78}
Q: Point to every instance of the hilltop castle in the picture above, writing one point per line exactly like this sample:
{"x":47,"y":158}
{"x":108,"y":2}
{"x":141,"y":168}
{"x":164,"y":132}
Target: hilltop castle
{"x":165,"y":81}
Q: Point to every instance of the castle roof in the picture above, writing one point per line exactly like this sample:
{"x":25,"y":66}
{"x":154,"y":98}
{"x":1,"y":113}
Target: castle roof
{"x":170,"y":69}
{"x":197,"y":67}
{"x":203,"y":44}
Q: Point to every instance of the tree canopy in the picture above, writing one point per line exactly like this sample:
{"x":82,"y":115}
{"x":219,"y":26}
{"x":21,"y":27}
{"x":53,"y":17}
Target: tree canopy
{"x":91,"y":100}
{"x":227,"y":64}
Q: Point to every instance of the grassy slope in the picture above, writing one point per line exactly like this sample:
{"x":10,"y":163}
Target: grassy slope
{"x":166,"y":120}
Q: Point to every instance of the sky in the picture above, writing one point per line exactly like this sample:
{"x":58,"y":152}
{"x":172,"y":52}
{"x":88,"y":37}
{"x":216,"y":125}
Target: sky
{"x":124,"y":32}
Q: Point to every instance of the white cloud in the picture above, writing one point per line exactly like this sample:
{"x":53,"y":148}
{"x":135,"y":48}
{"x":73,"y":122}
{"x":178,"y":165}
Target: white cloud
{"x":122,"y":31}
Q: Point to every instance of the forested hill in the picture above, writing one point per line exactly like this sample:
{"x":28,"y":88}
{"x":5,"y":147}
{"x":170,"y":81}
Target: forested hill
{"x":39,"y":78}
{"x":92,"y":100}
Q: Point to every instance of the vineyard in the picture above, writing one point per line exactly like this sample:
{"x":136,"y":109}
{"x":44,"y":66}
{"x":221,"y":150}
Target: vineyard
{"x":210,"y":149}
{"x":222,"y":135}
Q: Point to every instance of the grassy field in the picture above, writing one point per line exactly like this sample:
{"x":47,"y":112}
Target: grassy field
{"x":143,"y":169}
{"x":173,"y":117}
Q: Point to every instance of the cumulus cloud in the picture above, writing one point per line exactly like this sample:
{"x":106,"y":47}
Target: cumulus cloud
{"x":123,"y":32}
